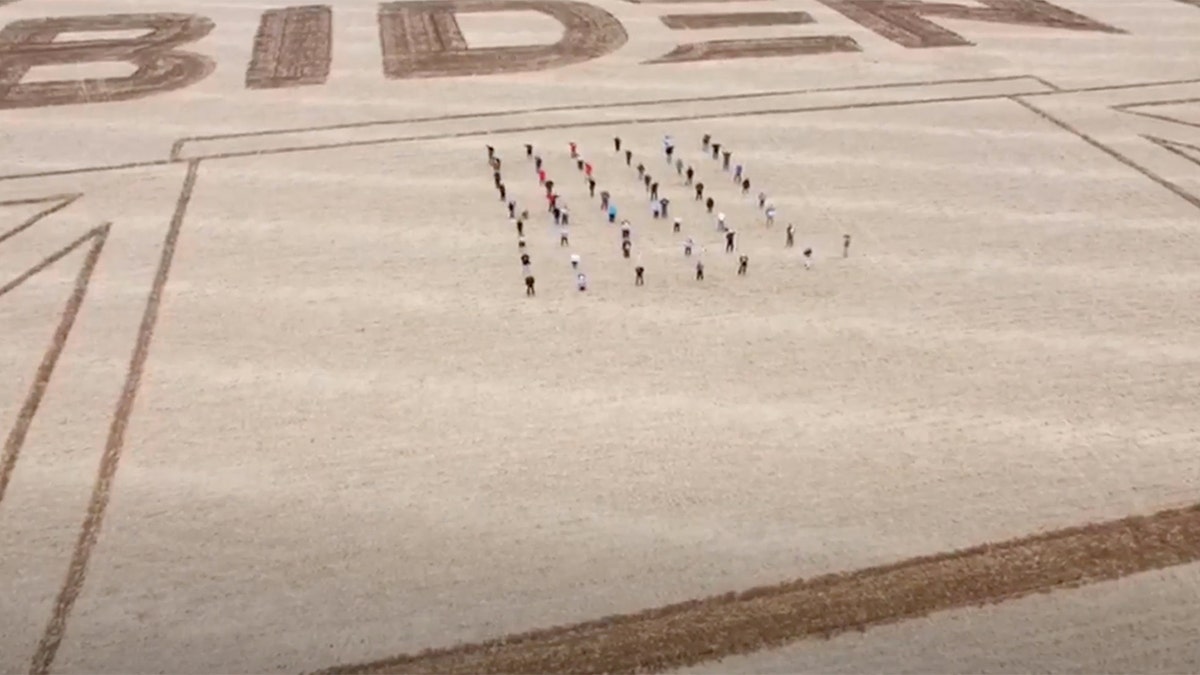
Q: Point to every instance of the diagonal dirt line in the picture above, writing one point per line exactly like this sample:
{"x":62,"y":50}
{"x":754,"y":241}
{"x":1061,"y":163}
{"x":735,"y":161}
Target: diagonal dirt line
{"x":1172,"y":187}
{"x":55,"y":631}
{"x":16,"y":437}
{"x":60,"y":202}
{"x":1189,"y":152}
{"x":1133,"y":109}
{"x":713,"y":628}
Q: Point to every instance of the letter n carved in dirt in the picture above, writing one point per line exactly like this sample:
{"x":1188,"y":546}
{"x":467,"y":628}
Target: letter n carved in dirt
{"x":422,"y":39}
{"x":904,"y":22}
{"x":159,"y":65}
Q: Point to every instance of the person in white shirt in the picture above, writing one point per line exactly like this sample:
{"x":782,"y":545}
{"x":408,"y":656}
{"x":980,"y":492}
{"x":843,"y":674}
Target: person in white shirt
{"x":575,"y":261}
{"x":581,"y":281}
{"x":721,"y":227}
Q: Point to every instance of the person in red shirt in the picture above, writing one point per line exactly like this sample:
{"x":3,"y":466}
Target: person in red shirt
{"x":587,"y":169}
{"x":541,"y":177}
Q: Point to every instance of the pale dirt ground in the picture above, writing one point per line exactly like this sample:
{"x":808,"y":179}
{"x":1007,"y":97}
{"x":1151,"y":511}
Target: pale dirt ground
{"x":356,"y":437}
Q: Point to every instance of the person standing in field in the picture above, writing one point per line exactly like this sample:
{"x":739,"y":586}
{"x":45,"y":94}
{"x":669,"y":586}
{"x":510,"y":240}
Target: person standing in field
{"x":512,"y":208}
{"x":687,"y":247}
{"x":564,"y":238}
{"x":791,"y":236}
{"x":612,"y":213}
{"x":575,"y":260}
{"x":807,"y":258}
{"x":845,"y":246}
{"x":716,"y":148}
{"x":616,"y":143}
{"x":654,"y":191}
{"x":626,"y":245}
{"x":679,"y":167}
{"x":746,"y":186}
{"x":705,"y":141}
{"x":628,"y":157}
{"x":639,"y":278}
{"x":699,"y":191}
{"x":503,"y":191}
{"x":678,"y":224}
{"x":689,"y":174}
{"x":641,"y":169}
{"x":729,"y":241}
{"x":770,"y":215}
{"x":537,"y":165}
{"x":725,"y":160}
{"x":665,"y":203}
{"x":529,"y":286}
{"x":709,"y":204}
{"x":591,"y":187}
{"x":762,"y":200}
{"x":699,"y":270}
{"x":528,"y":151}
{"x":743,"y":263}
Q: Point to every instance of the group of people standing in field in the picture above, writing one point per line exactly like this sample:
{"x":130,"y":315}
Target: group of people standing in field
{"x":660,"y":207}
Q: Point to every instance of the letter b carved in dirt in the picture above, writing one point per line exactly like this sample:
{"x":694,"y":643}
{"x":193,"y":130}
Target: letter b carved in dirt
{"x":159,"y":65}
{"x":422,"y":39}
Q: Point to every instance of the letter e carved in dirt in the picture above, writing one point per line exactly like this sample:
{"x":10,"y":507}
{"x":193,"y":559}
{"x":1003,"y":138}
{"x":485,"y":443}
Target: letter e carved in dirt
{"x":422,"y":39}
{"x":904,"y":22}
{"x":160,"y":66}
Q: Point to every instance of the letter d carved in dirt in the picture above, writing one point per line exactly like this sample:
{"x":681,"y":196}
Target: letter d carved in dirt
{"x":160,"y":66}
{"x":422,"y":39}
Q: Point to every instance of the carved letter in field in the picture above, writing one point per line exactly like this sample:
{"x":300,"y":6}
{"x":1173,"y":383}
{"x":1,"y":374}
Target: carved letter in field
{"x":904,"y":22}
{"x":422,"y":39}
{"x":719,"y":50}
{"x":293,"y":48}
{"x":160,"y":67}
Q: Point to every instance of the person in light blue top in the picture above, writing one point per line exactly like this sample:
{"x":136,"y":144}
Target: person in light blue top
{"x":612,"y":213}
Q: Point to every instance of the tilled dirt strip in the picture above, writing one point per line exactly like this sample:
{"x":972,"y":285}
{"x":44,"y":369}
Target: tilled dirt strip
{"x":737,"y":623}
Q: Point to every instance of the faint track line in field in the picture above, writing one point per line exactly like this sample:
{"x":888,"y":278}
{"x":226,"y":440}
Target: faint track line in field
{"x":45,"y":371}
{"x":55,"y":630}
{"x":1131,"y":109}
{"x":1120,"y":157}
{"x":709,"y":629}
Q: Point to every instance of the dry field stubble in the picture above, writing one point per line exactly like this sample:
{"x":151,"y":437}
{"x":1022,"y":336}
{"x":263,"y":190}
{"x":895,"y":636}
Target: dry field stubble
{"x":354,"y":437}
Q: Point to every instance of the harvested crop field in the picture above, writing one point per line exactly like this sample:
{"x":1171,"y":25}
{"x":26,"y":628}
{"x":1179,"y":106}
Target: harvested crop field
{"x":274,"y":397}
